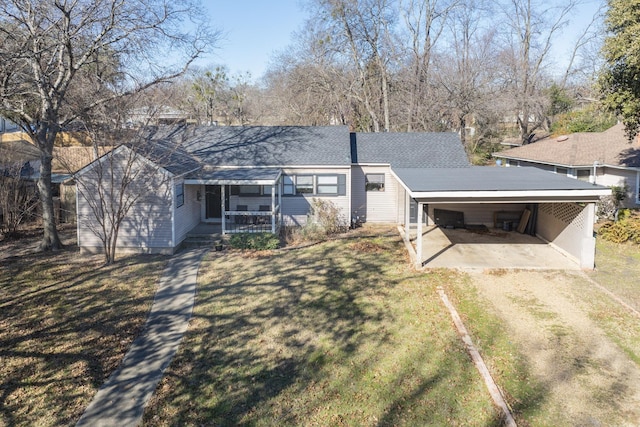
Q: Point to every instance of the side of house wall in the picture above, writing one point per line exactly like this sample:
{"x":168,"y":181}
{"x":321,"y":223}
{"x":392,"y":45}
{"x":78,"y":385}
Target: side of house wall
{"x":186,"y":216}
{"x":375,"y":206}
{"x":477,"y":213}
{"x":147,"y":226}
{"x":611,"y":177}
{"x":295,"y":208}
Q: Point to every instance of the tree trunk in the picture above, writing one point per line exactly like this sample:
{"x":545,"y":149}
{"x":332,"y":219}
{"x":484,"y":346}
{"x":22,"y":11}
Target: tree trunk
{"x":51,"y":240}
{"x":385,"y":98}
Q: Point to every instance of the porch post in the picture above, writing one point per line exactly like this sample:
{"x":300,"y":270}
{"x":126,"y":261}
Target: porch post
{"x":273,"y":208}
{"x":280,"y":201}
{"x":224,"y":208}
{"x":419,"y":236}
{"x":407,"y":215}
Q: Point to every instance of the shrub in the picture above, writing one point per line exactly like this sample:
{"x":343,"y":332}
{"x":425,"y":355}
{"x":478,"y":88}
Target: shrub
{"x":325,"y":218}
{"x":627,"y":228}
{"x":254,"y":241}
{"x":607,"y":206}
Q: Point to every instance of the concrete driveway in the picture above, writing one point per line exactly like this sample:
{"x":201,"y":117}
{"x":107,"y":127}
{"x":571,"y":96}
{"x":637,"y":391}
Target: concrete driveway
{"x":490,"y":249}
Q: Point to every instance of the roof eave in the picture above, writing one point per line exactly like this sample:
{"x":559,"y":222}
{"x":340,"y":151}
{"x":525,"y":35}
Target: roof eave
{"x":519,"y":196}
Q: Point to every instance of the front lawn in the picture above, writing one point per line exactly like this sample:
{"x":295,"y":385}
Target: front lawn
{"x":65,"y":324}
{"x":340,"y":333}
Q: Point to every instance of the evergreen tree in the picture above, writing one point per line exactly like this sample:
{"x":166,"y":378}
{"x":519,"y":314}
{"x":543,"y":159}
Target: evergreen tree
{"x":620,"y":79}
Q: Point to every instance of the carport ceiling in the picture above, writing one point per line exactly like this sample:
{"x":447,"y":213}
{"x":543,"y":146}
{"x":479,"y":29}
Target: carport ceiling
{"x":483,"y":184}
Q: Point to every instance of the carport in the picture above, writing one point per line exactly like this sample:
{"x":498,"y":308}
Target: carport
{"x":561,"y":211}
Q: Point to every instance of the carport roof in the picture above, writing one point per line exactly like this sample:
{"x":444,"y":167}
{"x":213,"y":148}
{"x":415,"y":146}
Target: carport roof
{"x":242,"y":176}
{"x":490,"y":184}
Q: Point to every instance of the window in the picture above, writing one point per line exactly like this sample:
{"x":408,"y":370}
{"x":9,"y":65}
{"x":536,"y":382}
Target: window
{"x":374,"y":182}
{"x":249,"y":190}
{"x":562,"y":171}
{"x":288,"y":186}
{"x":320,"y":185}
{"x":304,"y":184}
{"x":179,"y":195}
{"x":583,"y":174}
{"x":327,"y":184}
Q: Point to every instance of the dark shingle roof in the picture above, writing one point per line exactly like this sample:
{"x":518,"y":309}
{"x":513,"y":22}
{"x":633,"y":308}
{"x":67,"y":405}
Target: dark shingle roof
{"x":167,"y":155}
{"x":261,"y":146}
{"x":409,"y":150}
{"x":485,"y":178}
{"x":227,"y":176}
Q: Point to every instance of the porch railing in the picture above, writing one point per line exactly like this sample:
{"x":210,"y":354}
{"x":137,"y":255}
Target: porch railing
{"x":252,"y":221}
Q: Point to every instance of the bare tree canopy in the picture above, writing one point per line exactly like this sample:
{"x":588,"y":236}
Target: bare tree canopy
{"x":60,"y":59}
{"x":477,"y":67}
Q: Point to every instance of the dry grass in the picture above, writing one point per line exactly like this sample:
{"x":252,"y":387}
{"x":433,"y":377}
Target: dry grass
{"x":339,"y":333}
{"x":65,"y":324}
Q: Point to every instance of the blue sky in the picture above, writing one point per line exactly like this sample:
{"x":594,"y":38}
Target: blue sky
{"x":253,"y":31}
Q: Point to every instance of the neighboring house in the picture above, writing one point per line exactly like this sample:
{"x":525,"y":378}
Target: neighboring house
{"x":605,"y":158}
{"x":249,"y":179}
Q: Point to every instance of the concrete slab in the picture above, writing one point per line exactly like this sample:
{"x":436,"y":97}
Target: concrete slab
{"x":461,"y":248}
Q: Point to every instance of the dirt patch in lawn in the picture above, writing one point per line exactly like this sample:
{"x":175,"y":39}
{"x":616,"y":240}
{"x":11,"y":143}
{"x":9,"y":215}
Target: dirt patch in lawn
{"x":590,"y":379}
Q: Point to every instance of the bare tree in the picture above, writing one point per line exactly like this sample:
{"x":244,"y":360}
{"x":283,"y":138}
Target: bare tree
{"x":532,"y":26}
{"x":361,"y":30}
{"x":424,"y":23}
{"x":60,"y":59}
{"x":18,"y":198}
{"x":465,"y":72}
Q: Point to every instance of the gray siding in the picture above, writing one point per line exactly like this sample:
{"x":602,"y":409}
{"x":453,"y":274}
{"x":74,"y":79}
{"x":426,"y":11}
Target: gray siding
{"x":375,"y":206}
{"x":296,"y":208}
{"x":187,"y":216}
{"x":148,"y":224}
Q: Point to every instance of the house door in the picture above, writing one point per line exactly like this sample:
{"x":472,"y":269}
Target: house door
{"x":213,"y":197}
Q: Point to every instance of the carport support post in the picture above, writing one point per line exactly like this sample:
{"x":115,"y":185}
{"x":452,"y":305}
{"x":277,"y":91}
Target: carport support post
{"x":419,"y":215}
{"x":588,"y":247}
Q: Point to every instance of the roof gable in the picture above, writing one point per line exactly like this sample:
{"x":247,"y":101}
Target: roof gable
{"x":168,"y":156}
{"x":409,"y":150}
{"x":610,"y":147}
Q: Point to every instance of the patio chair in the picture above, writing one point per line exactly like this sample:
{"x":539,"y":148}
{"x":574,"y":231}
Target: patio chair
{"x":264,"y":219}
{"x":241,"y":219}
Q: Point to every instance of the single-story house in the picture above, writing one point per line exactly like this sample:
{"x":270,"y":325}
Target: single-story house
{"x":258,"y":178}
{"x":605,"y":158}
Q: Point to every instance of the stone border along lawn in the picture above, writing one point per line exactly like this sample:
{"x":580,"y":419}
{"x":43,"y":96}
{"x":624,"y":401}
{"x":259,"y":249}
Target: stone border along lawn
{"x":339,"y":333}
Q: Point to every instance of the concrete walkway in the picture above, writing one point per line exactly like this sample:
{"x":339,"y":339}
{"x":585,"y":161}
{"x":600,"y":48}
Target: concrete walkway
{"x":121,"y":400}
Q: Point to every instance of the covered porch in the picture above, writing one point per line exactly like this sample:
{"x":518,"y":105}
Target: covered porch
{"x":239,"y":200}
